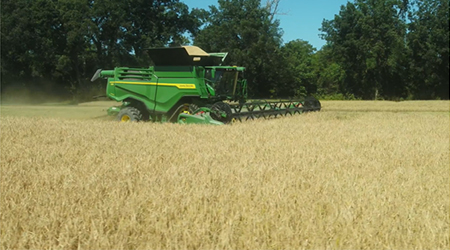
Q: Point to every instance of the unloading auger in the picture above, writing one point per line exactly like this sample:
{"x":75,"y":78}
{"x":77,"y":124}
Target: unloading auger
{"x":188,"y":85}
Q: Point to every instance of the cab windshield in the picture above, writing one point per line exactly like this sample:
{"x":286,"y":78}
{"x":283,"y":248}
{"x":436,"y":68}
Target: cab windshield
{"x":223,"y":81}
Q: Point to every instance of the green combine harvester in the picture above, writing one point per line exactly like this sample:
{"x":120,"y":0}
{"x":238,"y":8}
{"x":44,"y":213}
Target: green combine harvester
{"x":188,"y":85}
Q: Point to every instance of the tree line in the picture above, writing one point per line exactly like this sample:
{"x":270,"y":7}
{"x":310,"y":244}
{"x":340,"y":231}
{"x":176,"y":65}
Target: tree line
{"x":392,"y":49}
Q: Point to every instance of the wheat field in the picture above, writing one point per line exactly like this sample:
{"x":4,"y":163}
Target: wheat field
{"x":357,"y":175}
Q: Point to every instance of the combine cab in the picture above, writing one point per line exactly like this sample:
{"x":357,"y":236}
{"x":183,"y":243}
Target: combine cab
{"x":188,"y":85}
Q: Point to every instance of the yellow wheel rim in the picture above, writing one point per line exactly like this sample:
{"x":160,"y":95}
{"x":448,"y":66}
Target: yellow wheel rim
{"x":125,"y":118}
{"x":185,"y":109}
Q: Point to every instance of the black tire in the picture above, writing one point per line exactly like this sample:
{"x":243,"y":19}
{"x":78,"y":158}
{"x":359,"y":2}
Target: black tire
{"x":183,"y":108}
{"x":129,"y":114}
{"x":312,"y":104}
{"x":218,"y":108}
{"x":145,"y":115}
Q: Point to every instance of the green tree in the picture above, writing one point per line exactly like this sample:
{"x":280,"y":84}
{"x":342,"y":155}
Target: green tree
{"x":31,"y":44}
{"x":60,"y":44}
{"x":156,"y":24}
{"x":16,"y":37}
{"x":297,"y":76}
{"x":428,"y":41}
{"x":328,"y":74}
{"x":367,"y":41}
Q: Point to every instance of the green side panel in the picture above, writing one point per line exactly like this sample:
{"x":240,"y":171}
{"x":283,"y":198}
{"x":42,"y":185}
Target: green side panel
{"x":110,"y":89}
{"x":165,"y":93}
{"x":168,"y":96}
{"x":200,"y":79}
{"x":140,"y":92}
{"x":158,"y":87}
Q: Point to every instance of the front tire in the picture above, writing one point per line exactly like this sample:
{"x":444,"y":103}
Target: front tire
{"x":222,"y":112}
{"x":129,"y":114}
{"x":312,"y":104}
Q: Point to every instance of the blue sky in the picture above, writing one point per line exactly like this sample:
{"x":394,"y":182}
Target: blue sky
{"x":302,"y":18}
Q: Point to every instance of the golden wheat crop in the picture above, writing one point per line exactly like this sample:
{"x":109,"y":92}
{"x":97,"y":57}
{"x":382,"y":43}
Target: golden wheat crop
{"x":331,"y":179}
